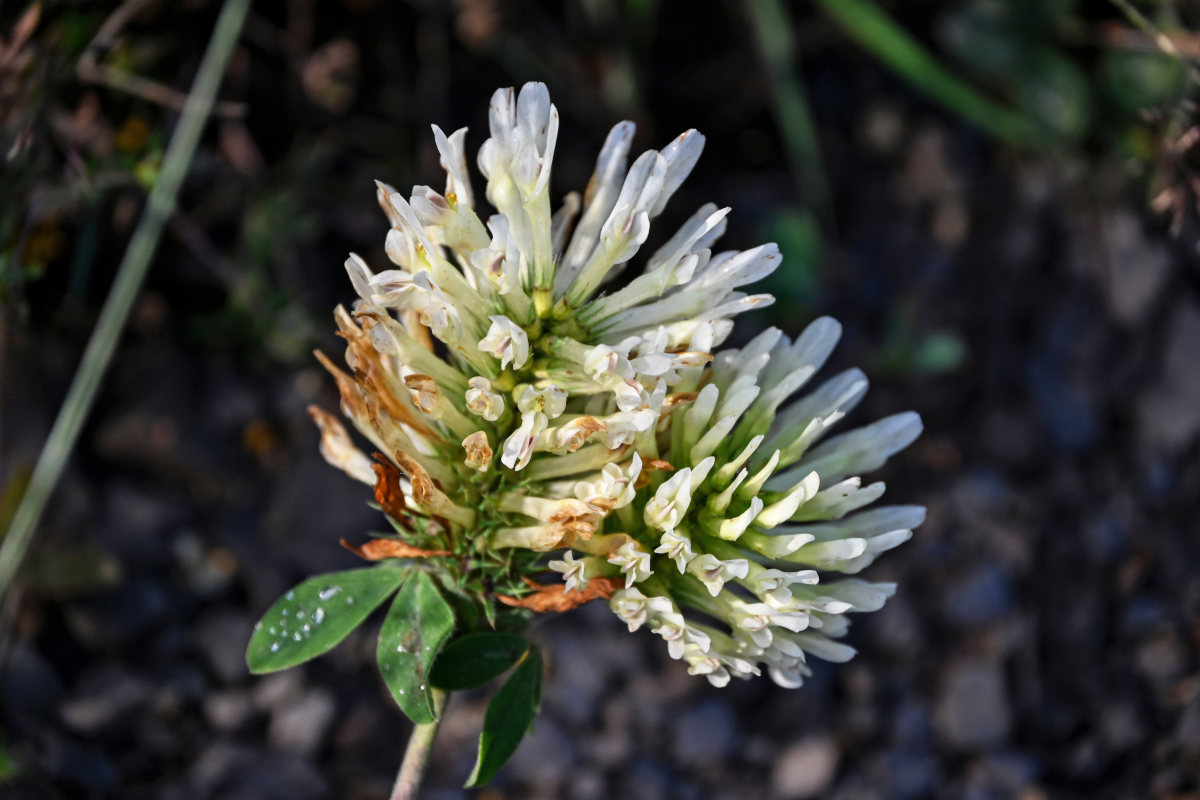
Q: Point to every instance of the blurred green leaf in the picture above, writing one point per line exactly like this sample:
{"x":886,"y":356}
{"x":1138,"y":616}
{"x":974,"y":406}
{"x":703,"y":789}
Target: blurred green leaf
{"x":980,"y":35}
{"x":313,"y":617}
{"x":508,"y":718}
{"x":796,"y":283}
{"x":8,"y":765}
{"x":1055,"y":91}
{"x":777,"y":47}
{"x":146,"y":171}
{"x":475,"y":659}
{"x":939,"y":353}
{"x":1134,"y":81}
{"x":417,"y":625}
{"x":904,"y":55}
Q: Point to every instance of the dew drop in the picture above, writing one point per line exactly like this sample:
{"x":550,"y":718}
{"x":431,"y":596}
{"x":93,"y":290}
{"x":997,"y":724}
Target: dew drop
{"x":401,"y":691}
{"x":319,"y":616}
{"x":275,"y":647}
{"x":307,"y":628}
{"x":325,"y":594}
{"x":290,"y":596}
{"x":296,"y":637}
{"x":271,"y":631}
{"x":349,"y":601}
{"x":258,"y":626}
{"x":284,"y":613}
{"x":401,"y":648}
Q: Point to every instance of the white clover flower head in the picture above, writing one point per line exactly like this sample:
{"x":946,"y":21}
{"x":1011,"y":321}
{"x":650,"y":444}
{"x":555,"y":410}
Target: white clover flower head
{"x":537,"y":410}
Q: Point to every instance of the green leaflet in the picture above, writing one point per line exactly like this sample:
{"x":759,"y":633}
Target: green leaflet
{"x":508,"y":718}
{"x":314,"y":616}
{"x":417,"y":625}
{"x":475,"y":659}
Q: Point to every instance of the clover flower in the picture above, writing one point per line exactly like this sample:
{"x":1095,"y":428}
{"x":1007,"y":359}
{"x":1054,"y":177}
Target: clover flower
{"x":537,"y":417}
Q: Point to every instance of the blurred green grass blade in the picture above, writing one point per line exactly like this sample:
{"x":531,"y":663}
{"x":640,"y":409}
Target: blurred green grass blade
{"x":904,"y":55}
{"x":777,"y":48}
{"x":130,"y":274}
{"x":1160,"y":39}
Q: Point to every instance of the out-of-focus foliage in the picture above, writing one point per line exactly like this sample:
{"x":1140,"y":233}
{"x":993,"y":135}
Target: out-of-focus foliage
{"x":1084,"y":75}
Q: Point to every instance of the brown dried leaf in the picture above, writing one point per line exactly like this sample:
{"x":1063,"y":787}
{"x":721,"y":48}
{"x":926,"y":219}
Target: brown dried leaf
{"x":388,"y":492}
{"x":552,"y":599}
{"x":379,"y":549}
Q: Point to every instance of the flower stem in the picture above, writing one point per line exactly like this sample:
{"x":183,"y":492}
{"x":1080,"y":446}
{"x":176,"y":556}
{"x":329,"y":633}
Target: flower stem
{"x":416,"y":755}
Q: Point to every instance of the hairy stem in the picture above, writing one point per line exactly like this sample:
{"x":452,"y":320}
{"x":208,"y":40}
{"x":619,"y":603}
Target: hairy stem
{"x":416,"y":755}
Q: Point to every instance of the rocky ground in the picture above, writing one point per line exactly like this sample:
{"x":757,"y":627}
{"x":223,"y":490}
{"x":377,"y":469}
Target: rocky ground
{"x":1044,"y":641}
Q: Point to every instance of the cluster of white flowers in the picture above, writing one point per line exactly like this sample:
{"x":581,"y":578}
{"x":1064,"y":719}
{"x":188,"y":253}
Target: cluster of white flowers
{"x":528,"y":411}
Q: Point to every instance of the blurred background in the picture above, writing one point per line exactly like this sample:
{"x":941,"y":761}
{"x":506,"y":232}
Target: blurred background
{"x":997,"y":199}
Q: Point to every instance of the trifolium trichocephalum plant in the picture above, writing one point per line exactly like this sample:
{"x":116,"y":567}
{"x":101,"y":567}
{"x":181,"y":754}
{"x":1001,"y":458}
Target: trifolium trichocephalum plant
{"x":545,"y":434}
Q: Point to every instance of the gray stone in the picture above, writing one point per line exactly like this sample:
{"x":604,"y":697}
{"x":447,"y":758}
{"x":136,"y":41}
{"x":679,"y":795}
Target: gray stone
{"x":972,"y":710}
{"x":1137,"y":268}
{"x":1008,"y":773}
{"x":118,"y":618}
{"x":586,"y":784}
{"x":275,"y":690}
{"x":704,"y":736}
{"x":223,"y":637}
{"x":300,"y":726}
{"x":227,"y":711}
{"x":907,"y":775}
{"x":74,"y":765}
{"x":805,"y":769}
{"x":29,"y":687}
{"x":543,"y":756}
{"x":105,"y":698}
{"x":241,"y":773}
{"x":982,"y":595}
{"x":1169,"y":414}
